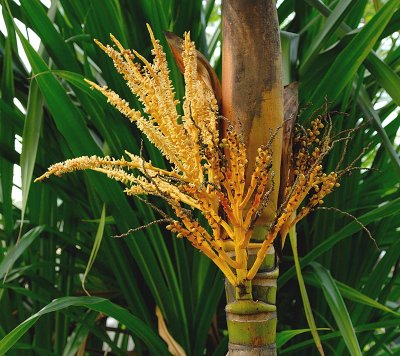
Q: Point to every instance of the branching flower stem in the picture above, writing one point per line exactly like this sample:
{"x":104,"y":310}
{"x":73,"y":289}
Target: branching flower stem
{"x":208,"y":171}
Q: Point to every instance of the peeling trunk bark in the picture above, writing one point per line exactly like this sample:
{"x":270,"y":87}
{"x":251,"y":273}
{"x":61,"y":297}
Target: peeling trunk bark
{"x":252,"y":99}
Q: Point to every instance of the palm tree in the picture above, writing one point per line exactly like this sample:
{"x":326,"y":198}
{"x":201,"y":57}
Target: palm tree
{"x":64,"y":119}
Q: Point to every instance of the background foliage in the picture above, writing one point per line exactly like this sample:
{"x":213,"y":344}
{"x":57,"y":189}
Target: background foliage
{"x":347,"y":51}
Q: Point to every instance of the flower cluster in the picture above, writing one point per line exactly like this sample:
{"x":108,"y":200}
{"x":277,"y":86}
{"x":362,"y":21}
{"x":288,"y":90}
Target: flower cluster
{"x":208,"y":171}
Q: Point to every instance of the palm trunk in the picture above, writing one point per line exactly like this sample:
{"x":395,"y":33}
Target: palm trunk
{"x":252,"y":98}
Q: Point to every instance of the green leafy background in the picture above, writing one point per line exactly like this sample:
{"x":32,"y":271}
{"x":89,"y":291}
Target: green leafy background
{"x":345,"y":50}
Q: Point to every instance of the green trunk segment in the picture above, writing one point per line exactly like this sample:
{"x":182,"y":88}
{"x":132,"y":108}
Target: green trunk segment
{"x":252,"y":329}
{"x":265,"y":285}
{"x":252,"y":323}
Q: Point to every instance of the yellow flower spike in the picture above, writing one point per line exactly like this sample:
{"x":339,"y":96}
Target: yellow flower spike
{"x":120,"y":104}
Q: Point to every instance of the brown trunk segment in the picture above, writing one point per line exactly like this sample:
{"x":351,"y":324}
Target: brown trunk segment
{"x":252,"y":92}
